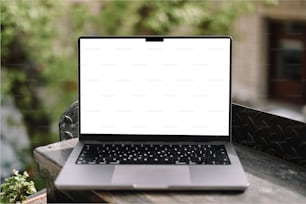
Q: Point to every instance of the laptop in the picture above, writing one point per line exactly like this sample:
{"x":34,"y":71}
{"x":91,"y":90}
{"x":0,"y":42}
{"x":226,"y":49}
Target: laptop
{"x":154,"y":114}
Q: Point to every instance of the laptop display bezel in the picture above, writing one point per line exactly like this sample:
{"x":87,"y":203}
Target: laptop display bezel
{"x":148,"y":137}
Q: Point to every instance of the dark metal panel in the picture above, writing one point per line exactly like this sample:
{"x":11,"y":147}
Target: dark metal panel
{"x":269,"y":133}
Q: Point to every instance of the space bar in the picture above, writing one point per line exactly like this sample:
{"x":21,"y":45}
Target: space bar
{"x":147,"y":162}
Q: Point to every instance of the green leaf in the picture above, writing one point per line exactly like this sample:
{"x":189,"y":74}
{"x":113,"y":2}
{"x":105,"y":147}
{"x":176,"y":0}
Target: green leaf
{"x":17,"y":188}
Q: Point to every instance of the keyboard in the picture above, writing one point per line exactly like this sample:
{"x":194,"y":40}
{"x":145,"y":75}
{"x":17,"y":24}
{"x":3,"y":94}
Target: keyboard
{"x":99,"y":154}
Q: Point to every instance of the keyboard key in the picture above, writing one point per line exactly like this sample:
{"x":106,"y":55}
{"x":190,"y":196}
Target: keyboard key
{"x":115,"y":154}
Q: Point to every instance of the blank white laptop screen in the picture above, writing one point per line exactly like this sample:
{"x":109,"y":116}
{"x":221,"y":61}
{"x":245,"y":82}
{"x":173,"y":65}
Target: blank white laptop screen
{"x":180,"y":86}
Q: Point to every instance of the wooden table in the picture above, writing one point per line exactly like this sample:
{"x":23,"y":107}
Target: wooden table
{"x":272,"y":180}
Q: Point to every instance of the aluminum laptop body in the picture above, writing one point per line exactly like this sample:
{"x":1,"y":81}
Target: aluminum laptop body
{"x":154,"y":90}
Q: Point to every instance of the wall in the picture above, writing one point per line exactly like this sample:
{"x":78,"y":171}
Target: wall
{"x":250,"y":68}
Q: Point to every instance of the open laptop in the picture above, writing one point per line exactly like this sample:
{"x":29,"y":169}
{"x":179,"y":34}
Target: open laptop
{"x":154,"y":113}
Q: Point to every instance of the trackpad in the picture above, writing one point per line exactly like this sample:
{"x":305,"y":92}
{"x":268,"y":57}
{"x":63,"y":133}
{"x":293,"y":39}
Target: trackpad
{"x":151,"y":175}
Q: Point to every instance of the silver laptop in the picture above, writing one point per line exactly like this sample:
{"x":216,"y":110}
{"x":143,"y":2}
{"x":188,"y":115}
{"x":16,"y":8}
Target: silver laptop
{"x":154,"y":113}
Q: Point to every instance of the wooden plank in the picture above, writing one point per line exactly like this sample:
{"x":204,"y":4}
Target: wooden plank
{"x":271,"y":180}
{"x":273,"y":169}
{"x":51,"y":159}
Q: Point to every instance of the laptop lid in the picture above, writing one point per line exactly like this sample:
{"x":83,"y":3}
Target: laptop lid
{"x":155,"y":88}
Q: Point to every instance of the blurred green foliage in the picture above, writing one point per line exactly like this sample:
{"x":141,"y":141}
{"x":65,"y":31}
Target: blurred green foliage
{"x":31,"y":22}
{"x":39,"y":44}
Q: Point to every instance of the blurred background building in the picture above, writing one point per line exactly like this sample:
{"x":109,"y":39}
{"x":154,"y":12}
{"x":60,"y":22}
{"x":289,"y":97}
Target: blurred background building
{"x":39,"y":57}
{"x":269,"y":65}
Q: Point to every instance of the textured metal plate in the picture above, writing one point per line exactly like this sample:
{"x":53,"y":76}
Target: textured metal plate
{"x":69,"y":122}
{"x":269,"y":133}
